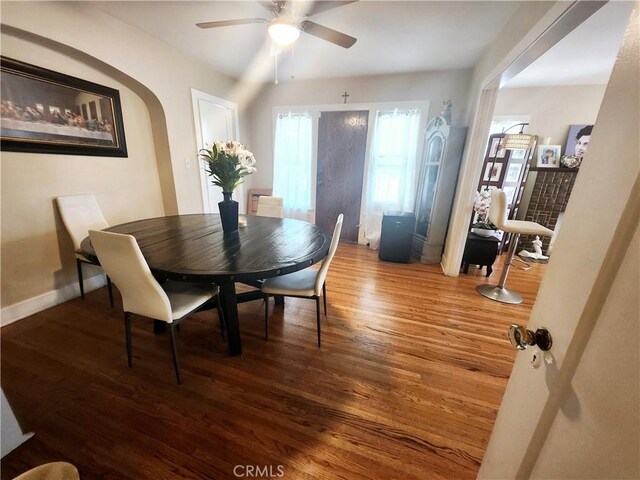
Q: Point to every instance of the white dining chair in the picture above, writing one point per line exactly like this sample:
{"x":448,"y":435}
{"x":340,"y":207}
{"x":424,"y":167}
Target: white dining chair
{"x":307,"y":283}
{"x":270,"y":207}
{"x":51,"y":471}
{"x":170,"y":301}
{"x":81,"y":213}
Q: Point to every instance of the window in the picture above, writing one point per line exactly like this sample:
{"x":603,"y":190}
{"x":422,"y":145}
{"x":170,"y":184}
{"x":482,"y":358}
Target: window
{"x":392,"y":167}
{"x":292,"y":163}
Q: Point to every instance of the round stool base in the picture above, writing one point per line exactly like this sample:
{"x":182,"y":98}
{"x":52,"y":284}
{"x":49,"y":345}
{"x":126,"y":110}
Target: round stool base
{"x":499,"y":294}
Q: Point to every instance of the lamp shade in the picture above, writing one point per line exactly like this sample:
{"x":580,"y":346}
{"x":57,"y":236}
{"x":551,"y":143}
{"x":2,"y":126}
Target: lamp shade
{"x":518,"y":141}
{"x":283,"y":34}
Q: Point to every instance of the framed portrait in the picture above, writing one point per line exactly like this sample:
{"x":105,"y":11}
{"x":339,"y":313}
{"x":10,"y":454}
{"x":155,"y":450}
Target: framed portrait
{"x":513,"y":172}
{"x":492,"y":172}
{"x":510,"y":192}
{"x":518,"y":154}
{"x":548,"y":156}
{"x":43,"y":111}
{"x":579,"y":135}
{"x":494,"y":152}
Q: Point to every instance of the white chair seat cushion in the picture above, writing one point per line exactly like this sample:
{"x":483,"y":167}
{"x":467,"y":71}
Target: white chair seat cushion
{"x":301,"y":283}
{"x":526,"y":228}
{"x":185,"y":297}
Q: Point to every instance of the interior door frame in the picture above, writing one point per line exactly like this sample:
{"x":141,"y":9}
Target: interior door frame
{"x":196,"y":97}
{"x":315,"y":111}
{"x":561,"y":19}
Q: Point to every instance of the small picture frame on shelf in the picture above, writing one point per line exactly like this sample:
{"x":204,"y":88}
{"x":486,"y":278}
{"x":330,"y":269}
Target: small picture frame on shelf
{"x":492,"y":172}
{"x":513,"y":172}
{"x":548,"y":156}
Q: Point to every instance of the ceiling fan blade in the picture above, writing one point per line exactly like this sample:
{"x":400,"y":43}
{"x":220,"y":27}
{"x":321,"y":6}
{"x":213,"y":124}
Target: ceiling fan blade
{"x":271,"y":6}
{"x":328,"y":34}
{"x":323,"y":6}
{"x":226,"y":23}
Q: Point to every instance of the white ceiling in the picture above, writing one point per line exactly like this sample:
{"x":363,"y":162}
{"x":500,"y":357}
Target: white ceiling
{"x":585,"y":56}
{"x":393,"y":37}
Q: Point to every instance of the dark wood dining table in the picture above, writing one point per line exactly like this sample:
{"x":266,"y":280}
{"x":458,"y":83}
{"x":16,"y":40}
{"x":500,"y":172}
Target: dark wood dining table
{"x":193,"y":248}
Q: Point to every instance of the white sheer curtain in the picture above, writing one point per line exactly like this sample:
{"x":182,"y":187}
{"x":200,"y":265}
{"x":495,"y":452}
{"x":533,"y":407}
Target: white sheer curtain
{"x":391,"y":181}
{"x":292,"y":163}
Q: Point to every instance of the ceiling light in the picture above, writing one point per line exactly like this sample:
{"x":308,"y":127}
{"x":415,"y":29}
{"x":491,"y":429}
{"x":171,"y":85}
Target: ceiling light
{"x":283,"y":34}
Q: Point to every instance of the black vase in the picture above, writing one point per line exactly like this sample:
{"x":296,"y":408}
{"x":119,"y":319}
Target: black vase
{"x":228,"y":213}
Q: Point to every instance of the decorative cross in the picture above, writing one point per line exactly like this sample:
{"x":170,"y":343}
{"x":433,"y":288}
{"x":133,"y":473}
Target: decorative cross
{"x":345,"y":95}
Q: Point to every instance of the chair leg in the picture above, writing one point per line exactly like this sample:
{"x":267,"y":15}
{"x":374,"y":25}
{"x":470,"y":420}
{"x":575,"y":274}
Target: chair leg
{"x":80,"y":281}
{"x":499,"y":292}
{"x":174,"y":350}
{"x":221,"y":320}
{"x":266,"y":317}
{"x":324,"y":297}
{"x":127,"y":332}
{"x":318,"y":317}
{"x":110,"y":288}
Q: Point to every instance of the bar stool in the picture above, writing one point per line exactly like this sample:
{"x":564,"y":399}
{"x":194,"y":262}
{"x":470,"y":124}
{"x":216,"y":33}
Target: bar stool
{"x":498,"y":216}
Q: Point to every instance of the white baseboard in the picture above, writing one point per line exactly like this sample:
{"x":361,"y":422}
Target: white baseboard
{"x":444,"y":263}
{"x":23,"y":309}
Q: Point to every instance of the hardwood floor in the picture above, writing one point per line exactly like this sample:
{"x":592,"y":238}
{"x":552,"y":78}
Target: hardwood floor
{"x":407,"y":384}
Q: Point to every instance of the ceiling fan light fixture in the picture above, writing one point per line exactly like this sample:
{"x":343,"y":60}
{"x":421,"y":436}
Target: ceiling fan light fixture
{"x":283,"y":34}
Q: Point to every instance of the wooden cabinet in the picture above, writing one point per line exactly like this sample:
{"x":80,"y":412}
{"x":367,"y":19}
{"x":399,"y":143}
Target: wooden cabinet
{"x":436,"y":187}
{"x":252,"y":200}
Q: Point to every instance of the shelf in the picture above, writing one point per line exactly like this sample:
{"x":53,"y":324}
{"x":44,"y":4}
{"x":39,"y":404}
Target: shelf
{"x":556,"y":169}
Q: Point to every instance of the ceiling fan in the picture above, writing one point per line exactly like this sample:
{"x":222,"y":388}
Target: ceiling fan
{"x":290,"y":18}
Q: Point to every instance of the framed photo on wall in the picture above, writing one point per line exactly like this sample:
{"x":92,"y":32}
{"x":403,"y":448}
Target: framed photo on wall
{"x":510,"y":192}
{"x":548,"y":156}
{"x":43,"y":111}
{"x":513,"y":172}
{"x":578,"y":140}
{"x":518,"y":154}
{"x":495,"y":169}
{"x":494,"y":152}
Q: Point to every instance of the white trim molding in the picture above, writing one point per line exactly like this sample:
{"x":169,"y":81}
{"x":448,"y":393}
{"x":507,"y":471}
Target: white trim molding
{"x":31,"y":306}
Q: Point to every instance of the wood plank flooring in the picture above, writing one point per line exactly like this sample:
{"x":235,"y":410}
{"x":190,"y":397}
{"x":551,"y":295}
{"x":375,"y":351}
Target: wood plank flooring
{"x":407,"y":384}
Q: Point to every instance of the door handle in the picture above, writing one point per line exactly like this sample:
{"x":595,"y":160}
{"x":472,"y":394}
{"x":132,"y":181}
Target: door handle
{"x":522,"y":338}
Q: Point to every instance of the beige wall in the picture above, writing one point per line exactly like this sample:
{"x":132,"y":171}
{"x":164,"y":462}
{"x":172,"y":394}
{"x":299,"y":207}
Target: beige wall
{"x":551,"y":111}
{"x":164,"y":73}
{"x":433,"y":86}
{"x":37,"y":254}
{"x":155,"y":86}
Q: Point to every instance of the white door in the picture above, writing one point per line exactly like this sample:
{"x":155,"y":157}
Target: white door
{"x":578,"y":417}
{"x":215,"y":120}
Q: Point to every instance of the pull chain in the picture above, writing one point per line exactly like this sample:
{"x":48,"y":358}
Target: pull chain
{"x":276,"y":80}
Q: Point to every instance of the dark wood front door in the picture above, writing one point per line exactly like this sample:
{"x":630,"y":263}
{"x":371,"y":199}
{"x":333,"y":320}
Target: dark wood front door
{"x":342,"y":142}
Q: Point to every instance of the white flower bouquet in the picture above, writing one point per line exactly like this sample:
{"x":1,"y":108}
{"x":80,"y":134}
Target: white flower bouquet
{"x":228,"y":163}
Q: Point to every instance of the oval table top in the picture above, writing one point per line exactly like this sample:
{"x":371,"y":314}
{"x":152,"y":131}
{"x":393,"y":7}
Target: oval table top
{"x":194,"y":247}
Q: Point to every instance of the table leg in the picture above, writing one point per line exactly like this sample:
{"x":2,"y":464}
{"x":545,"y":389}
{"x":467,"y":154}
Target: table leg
{"x":230,"y":309}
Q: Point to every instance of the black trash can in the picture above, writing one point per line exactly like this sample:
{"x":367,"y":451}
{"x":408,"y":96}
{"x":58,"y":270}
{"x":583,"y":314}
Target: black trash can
{"x":397,"y":236}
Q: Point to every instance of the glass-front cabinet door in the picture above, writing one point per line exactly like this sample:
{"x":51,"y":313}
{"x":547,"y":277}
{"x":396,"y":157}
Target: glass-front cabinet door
{"x":432,"y":162}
